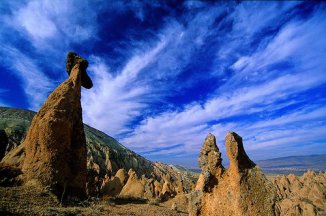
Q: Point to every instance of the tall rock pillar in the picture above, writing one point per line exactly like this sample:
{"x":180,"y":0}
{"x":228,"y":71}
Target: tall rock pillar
{"x":55,"y":144}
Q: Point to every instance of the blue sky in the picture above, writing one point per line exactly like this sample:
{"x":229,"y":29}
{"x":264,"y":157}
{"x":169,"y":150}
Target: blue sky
{"x":166,"y":73}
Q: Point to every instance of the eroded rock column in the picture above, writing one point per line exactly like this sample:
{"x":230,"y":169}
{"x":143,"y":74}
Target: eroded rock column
{"x":55,"y":144}
{"x":240,"y":190}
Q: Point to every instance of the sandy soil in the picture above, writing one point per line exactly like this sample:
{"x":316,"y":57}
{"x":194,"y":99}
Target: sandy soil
{"x":33,"y":200}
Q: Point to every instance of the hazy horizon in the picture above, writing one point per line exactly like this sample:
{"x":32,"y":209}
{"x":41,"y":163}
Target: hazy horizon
{"x":168,"y":73}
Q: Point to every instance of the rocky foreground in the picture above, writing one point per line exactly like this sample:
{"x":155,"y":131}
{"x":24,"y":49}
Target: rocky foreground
{"x":105,"y":156}
{"x":218,"y":191}
{"x":243,"y":189}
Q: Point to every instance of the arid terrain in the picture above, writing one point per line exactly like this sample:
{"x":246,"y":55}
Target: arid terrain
{"x":53,"y":164}
{"x":32,"y":199}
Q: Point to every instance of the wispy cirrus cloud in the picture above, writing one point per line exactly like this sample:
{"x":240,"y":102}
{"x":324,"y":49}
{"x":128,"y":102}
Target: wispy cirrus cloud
{"x":165,"y":75}
{"x":147,"y":76}
{"x":48,"y":23}
{"x":114,"y":101}
{"x":267,"y":89}
{"x":35,"y":83}
{"x":44,"y":31}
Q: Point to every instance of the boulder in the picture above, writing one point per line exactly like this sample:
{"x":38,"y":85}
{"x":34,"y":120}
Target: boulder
{"x":179,"y":185}
{"x":149,"y":188}
{"x":72,"y":60}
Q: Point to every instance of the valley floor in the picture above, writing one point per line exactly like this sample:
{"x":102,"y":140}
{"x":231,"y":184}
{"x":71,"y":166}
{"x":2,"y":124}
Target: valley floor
{"x":32,"y":200}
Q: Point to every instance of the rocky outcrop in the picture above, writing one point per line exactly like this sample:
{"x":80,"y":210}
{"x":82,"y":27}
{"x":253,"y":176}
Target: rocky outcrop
{"x":179,"y":189}
{"x":105,"y":156}
{"x":210,"y":162}
{"x":168,"y":189}
{"x":55,"y":144}
{"x":113,"y":186}
{"x":240,"y":190}
{"x":304,"y":195}
{"x":134,"y":187}
{"x":158,"y":188}
{"x":72,"y":60}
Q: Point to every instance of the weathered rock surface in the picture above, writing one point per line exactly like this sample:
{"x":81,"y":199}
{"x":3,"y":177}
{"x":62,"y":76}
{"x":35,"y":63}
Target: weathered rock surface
{"x":113,"y":186}
{"x":210,"y":162}
{"x":134,"y":187}
{"x":210,"y":157}
{"x":240,"y":190}
{"x":105,"y":156}
{"x":304,"y":195}
{"x":72,"y":60}
{"x":168,"y":189}
{"x":55,"y":144}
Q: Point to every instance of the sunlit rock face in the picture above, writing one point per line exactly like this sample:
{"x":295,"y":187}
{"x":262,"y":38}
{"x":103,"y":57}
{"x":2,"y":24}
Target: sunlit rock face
{"x":304,"y":195}
{"x":105,"y":157}
{"x":55,"y":144}
{"x":240,"y":190}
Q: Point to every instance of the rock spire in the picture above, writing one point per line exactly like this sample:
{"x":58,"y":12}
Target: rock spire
{"x":55,"y":144}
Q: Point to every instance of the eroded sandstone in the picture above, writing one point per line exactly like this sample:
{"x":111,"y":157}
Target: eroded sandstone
{"x":240,"y":190}
{"x":55,"y":144}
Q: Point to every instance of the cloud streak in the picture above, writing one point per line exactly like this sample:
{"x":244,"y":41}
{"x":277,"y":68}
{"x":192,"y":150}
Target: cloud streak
{"x":163,"y":78}
{"x":35,"y":83}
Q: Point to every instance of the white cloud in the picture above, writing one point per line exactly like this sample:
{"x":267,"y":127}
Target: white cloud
{"x":49,"y":26}
{"x":114,"y":101}
{"x":252,"y":17}
{"x":190,"y":125}
{"x":35,"y":83}
{"x":120,"y":98}
{"x":288,"y":137}
{"x":49,"y":22}
{"x":299,"y":42}
{"x":291,"y":118}
{"x":192,"y":122}
{"x":35,"y":20}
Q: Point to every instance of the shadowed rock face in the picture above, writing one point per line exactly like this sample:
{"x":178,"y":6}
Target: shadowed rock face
{"x":3,"y":143}
{"x":72,"y":60}
{"x":240,"y":190}
{"x":238,"y":157}
{"x":55,"y":144}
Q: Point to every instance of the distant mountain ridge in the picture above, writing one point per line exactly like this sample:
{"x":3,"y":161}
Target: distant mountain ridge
{"x":290,"y":164}
{"x":293,"y":164}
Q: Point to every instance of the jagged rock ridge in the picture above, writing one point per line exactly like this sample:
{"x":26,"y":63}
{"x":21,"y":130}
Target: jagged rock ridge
{"x":240,"y":190}
{"x":304,"y":195}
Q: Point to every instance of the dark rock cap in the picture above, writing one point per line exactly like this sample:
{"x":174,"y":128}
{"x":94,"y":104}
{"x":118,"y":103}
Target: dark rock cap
{"x":73,"y":59}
